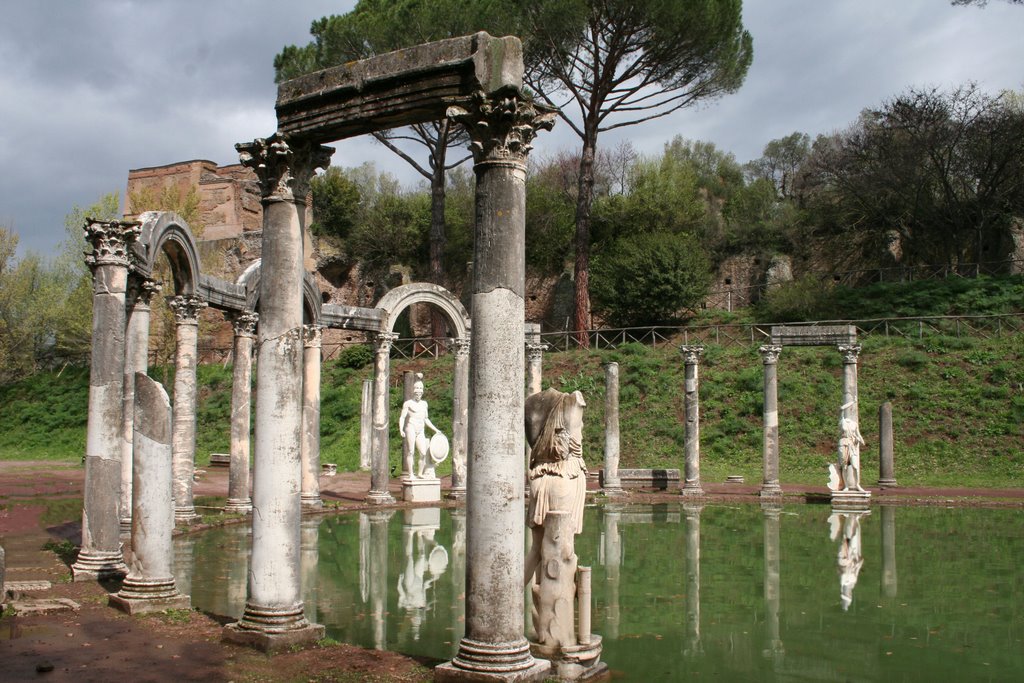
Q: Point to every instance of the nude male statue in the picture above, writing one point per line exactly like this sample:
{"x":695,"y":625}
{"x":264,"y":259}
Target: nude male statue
{"x":411,"y":425}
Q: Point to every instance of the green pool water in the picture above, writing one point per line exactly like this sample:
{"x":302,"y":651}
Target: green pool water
{"x":688,"y":593}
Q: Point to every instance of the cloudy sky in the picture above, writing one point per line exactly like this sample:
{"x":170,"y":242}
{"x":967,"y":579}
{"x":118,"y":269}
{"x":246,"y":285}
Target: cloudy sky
{"x":92,"y":88}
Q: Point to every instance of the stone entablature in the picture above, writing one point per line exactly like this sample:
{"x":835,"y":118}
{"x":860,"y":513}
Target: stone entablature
{"x":813,"y":335}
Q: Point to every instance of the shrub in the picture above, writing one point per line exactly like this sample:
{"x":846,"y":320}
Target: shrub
{"x":355,"y":357}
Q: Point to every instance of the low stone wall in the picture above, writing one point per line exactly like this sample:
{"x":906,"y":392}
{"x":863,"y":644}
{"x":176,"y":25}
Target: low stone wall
{"x":646,"y":478}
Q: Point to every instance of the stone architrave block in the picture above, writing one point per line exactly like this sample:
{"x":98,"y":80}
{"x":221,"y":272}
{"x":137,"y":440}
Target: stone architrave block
{"x":813,"y":335}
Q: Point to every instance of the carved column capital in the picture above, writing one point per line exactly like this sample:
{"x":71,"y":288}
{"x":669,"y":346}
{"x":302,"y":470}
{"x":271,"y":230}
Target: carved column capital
{"x":141,"y":292}
{"x":770,"y":353}
{"x":850,"y":353}
{"x":691,"y":353}
{"x":244,"y":323}
{"x":502,"y":126}
{"x":110,"y":241}
{"x":383,"y":341}
{"x":312,"y":336}
{"x":282,"y":168}
{"x":186,"y":308}
{"x":461,"y":346}
{"x":535,"y":352}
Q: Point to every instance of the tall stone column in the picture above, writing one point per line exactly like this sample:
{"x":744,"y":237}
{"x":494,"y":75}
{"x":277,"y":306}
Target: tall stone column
{"x":239,"y":500}
{"x":501,"y":129}
{"x":691,"y":403}
{"x":886,"y":465}
{"x":612,"y":484}
{"x":380,"y":462}
{"x":100,"y":556}
{"x":460,"y":417}
{"x":312,"y":336}
{"x":535,"y":360}
{"x":770,"y":487}
{"x":694,"y":646}
{"x":366,"y":425}
{"x":772,"y":510}
{"x":149,"y":586}
{"x":183,"y":457}
{"x":273,"y":617}
{"x":136,"y":359}
{"x":850,"y":395}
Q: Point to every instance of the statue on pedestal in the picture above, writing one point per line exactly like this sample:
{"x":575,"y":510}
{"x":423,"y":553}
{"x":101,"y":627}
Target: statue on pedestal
{"x":845,"y":474}
{"x":411,"y":427}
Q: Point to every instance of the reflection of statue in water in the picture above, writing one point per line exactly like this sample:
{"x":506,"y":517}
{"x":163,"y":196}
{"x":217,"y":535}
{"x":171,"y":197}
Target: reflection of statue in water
{"x":845,"y":474}
{"x":849,"y":557}
{"x":411,"y":425}
{"x":422,"y":569}
{"x":558,"y":486}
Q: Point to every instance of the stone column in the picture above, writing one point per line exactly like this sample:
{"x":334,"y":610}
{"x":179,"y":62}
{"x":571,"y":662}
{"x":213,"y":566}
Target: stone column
{"x":311,"y":338}
{"x":501,"y":129}
{"x":691,"y":404}
{"x":693,"y":641}
{"x":612,"y":484}
{"x":886,"y":465}
{"x":136,"y":359}
{"x":241,"y":413}
{"x":186,"y":318}
{"x":460,"y":417}
{"x":366,"y":424}
{"x":770,"y":487}
{"x":772,"y":511}
{"x":889,"y":583}
{"x":100,"y":556}
{"x":850,"y":397}
{"x":535,"y":358}
{"x":149,"y":586}
{"x":273,"y":616}
{"x":380,"y":462}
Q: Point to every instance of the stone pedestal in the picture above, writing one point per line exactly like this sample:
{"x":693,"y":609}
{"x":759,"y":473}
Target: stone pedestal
{"x":611,"y":484}
{"x":149,"y":586}
{"x":186,"y":317}
{"x":239,"y":501}
{"x":273,"y":617}
{"x":691,"y":404}
{"x":851,"y":501}
{"x":100,"y":556}
{"x":886,"y":470}
{"x":580,"y":662}
{"x":421,"y":490}
{"x":770,"y":487}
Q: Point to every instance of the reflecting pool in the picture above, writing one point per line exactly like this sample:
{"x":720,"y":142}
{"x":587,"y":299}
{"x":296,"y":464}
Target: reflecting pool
{"x":687,"y":592}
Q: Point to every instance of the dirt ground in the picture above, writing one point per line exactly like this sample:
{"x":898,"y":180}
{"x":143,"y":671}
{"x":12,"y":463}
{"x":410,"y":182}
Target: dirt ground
{"x":40,"y":505}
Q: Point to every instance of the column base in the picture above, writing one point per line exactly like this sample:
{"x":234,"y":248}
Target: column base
{"x":456,"y":493}
{"x":238,"y":506}
{"x":272,"y":629}
{"x":143,"y":605}
{"x":887,"y":483}
{"x":770,"y":490}
{"x":125,"y":524}
{"x":311,"y":501}
{"x":694,"y":490}
{"x":480,"y":661}
{"x":612,"y":487}
{"x":379,"y":498}
{"x":92,"y":565}
{"x":186,"y":515}
{"x":852,"y":501}
{"x":573,"y":662}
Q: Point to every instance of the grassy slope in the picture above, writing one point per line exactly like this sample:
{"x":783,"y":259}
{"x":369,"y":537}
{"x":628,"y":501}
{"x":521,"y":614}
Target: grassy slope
{"x":958,"y":403}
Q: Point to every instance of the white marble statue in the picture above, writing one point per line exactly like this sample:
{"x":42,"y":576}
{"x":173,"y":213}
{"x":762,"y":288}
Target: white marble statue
{"x":845,"y":474}
{"x":411,"y":426}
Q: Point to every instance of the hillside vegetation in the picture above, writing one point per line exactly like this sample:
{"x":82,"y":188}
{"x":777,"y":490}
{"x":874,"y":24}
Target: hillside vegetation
{"x":958,"y":402}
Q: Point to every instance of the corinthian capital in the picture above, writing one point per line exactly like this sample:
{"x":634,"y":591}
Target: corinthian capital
{"x":535,"y":351}
{"x":312,"y":336}
{"x":244,"y":323}
{"x":283,"y":169}
{"x":850,"y":353}
{"x":186,"y":308}
{"x":141,"y":291}
{"x":383,"y":341}
{"x":502,"y":126}
{"x":691,"y":354}
{"x":110,"y":241}
{"x":770,"y":353}
{"x":461,"y":346}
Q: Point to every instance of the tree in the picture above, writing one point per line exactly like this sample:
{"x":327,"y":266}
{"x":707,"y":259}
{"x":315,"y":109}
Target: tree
{"x":648,"y":279}
{"x":379,"y":26}
{"x":335,"y":203}
{"x":781,"y":161}
{"x":612,"y":63}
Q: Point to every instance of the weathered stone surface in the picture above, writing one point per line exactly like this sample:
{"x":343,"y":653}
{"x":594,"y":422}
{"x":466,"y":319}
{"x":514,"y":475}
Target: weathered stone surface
{"x":414,"y":85}
{"x":380,"y":472}
{"x":886,"y":465}
{"x":421,"y":490}
{"x":641,"y":478}
{"x":691,"y":405}
{"x":239,"y":500}
{"x":770,"y":487}
{"x":312,"y":336}
{"x":813,"y":335}
{"x":611,"y":482}
{"x":365,"y":424}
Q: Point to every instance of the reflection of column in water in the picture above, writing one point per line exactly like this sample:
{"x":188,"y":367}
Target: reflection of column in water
{"x":612,"y":565}
{"x":309,"y":559}
{"x":364,"y":556}
{"x":379,"y":575}
{"x":693,"y":644}
{"x":458,"y":576}
{"x":238,"y":552}
{"x":845,"y":528}
{"x":531,"y":632}
{"x":773,"y":649}
{"x":184,"y":563}
{"x":888,"y":513}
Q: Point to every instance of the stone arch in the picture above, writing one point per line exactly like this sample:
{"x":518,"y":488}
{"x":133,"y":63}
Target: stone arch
{"x":311,"y":295}
{"x":168,"y":232}
{"x":400,"y":298}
